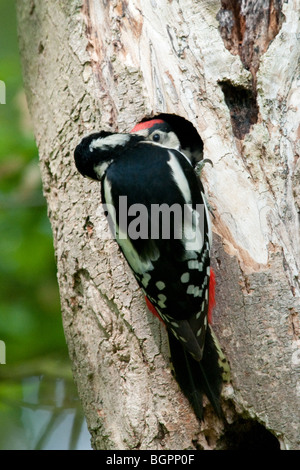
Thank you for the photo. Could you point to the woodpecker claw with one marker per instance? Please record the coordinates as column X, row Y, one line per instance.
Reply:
column 200, row 165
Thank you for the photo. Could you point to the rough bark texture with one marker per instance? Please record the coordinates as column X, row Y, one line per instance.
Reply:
column 231, row 69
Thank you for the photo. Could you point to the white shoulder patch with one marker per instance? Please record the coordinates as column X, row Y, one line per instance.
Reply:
column 112, row 140
column 180, row 178
column 208, row 218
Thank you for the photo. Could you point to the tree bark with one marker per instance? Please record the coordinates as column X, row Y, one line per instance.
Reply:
column 231, row 70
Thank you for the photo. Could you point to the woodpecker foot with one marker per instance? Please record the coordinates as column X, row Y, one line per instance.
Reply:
column 200, row 165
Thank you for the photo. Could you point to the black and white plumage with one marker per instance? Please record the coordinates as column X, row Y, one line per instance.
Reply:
column 168, row 251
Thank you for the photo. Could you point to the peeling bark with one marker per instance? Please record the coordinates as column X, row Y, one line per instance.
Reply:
column 90, row 65
column 248, row 27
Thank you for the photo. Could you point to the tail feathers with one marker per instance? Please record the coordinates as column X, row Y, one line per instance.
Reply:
column 198, row 378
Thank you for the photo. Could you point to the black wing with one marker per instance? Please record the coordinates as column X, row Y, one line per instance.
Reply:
column 174, row 271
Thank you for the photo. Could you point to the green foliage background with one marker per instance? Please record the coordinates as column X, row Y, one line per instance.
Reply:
column 30, row 318
column 30, row 314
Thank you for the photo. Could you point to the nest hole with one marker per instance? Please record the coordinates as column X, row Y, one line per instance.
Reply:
column 242, row 106
column 248, row 435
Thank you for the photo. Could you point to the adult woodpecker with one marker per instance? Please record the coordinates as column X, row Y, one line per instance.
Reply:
column 170, row 256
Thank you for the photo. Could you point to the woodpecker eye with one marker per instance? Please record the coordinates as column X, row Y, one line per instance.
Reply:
column 156, row 137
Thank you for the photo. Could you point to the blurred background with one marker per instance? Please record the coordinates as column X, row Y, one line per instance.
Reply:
column 39, row 406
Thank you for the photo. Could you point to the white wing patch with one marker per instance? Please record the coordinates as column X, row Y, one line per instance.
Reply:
column 193, row 228
column 145, row 280
column 208, row 219
column 192, row 233
column 180, row 178
column 160, row 285
column 185, row 277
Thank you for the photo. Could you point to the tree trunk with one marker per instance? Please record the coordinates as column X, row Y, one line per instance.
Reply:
column 231, row 70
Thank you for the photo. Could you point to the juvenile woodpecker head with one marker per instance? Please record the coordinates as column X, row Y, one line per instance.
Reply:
column 159, row 132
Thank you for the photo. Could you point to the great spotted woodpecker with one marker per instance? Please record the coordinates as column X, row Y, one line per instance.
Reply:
column 167, row 246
